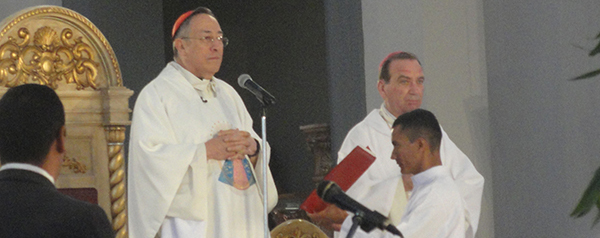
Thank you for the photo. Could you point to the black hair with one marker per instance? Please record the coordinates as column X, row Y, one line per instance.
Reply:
column 31, row 118
column 420, row 123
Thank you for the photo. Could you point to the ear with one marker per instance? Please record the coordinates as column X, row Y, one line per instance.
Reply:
column 380, row 88
column 60, row 141
column 422, row 144
column 179, row 44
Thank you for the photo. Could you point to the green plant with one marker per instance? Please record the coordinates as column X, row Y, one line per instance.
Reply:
column 591, row 196
column 594, row 52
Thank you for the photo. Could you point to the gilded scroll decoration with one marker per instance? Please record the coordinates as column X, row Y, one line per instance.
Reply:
column 49, row 59
column 69, row 15
column 297, row 233
column 116, row 166
column 74, row 165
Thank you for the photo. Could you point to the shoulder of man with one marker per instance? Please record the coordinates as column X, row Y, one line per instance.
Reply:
column 371, row 123
column 365, row 124
column 90, row 220
column 167, row 83
column 358, row 135
column 222, row 83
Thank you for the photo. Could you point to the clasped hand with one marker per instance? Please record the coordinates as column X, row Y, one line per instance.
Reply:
column 231, row 144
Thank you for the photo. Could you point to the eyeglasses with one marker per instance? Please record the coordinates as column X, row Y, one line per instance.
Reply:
column 210, row 40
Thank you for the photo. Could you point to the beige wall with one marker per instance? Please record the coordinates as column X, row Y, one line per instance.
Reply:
column 448, row 38
column 544, row 127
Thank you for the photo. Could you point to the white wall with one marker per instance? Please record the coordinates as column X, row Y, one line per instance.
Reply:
column 448, row 38
column 545, row 128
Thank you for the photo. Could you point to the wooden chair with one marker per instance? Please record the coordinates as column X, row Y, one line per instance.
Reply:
column 62, row 49
column 297, row 228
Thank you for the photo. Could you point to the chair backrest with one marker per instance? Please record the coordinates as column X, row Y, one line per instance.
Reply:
column 55, row 46
column 297, row 228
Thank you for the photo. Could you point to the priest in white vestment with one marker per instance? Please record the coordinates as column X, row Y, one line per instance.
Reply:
column 194, row 159
column 382, row 187
column 436, row 208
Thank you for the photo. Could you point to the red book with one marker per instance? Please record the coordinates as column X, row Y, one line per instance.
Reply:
column 344, row 174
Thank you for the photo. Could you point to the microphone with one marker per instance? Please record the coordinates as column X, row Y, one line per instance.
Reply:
column 332, row 193
column 261, row 94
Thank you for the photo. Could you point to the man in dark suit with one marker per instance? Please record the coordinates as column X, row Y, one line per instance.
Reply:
column 32, row 147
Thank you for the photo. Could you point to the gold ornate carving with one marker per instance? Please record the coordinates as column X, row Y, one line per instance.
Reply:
column 297, row 233
column 48, row 60
column 74, row 165
column 297, row 228
column 64, row 14
column 116, row 165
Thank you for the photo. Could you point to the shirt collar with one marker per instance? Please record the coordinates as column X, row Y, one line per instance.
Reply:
column 386, row 115
column 28, row 167
column 429, row 175
column 205, row 87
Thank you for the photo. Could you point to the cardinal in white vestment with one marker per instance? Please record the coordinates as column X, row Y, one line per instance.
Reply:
column 194, row 158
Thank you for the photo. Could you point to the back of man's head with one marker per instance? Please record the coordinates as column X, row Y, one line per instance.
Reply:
column 420, row 123
column 31, row 117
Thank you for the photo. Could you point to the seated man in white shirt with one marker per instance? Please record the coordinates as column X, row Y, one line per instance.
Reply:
column 435, row 208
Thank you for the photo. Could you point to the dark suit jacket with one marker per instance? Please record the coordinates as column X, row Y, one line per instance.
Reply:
column 30, row 206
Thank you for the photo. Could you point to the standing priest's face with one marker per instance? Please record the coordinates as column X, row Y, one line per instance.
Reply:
column 201, row 51
column 404, row 91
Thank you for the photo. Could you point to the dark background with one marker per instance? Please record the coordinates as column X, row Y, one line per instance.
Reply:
column 308, row 54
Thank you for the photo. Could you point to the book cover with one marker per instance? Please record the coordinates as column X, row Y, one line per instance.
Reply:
column 344, row 174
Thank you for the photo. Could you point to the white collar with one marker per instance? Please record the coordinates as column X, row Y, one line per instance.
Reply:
column 205, row 87
column 28, row 167
column 429, row 175
column 387, row 116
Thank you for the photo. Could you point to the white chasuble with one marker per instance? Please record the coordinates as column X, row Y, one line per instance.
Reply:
column 170, row 178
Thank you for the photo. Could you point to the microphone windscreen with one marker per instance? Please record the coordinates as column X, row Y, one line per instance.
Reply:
column 242, row 80
column 327, row 189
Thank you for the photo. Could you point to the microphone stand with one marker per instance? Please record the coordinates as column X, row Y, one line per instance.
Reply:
column 263, row 125
column 265, row 99
column 356, row 221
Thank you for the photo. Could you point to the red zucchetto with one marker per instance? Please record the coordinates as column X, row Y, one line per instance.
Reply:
column 180, row 20
column 387, row 57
